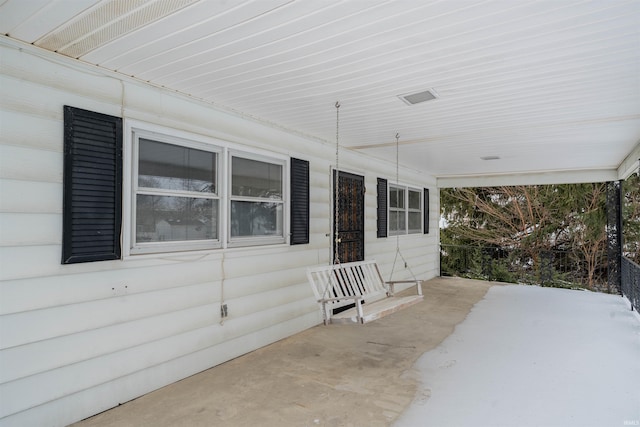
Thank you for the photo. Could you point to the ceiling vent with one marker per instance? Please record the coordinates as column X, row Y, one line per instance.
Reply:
column 417, row 98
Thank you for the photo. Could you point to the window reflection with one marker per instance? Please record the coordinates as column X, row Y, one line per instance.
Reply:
column 167, row 218
column 256, row 219
column 253, row 178
column 256, row 198
column 174, row 167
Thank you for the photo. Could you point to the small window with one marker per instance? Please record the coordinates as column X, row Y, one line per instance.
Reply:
column 256, row 201
column 397, row 211
column 414, row 212
column 405, row 210
column 176, row 196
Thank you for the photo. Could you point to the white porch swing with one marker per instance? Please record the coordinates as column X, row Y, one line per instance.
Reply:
column 359, row 284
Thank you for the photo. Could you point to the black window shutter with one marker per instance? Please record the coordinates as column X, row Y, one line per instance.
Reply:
column 299, row 202
column 426, row 210
column 92, row 186
column 382, row 207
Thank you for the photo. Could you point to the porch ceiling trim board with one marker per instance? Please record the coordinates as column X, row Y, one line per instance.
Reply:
column 551, row 177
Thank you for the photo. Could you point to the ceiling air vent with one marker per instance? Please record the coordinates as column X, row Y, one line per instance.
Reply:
column 417, row 98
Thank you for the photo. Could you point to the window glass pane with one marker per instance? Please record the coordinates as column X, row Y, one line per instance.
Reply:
column 396, row 197
column 393, row 221
column 173, row 167
column 414, row 199
column 415, row 222
column 168, row 218
column 256, row 219
column 252, row 178
column 397, row 221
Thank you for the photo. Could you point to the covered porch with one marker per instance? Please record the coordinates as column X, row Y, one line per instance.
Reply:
column 433, row 95
column 387, row 372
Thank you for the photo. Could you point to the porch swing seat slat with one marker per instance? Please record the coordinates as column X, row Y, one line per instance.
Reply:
column 359, row 283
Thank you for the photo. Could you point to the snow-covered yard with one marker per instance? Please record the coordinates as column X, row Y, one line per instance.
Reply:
column 531, row 356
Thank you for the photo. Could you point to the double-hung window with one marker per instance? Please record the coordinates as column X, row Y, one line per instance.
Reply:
column 193, row 195
column 405, row 210
column 256, row 199
column 176, row 200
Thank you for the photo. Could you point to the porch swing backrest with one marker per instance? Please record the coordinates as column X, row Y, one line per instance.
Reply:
column 344, row 281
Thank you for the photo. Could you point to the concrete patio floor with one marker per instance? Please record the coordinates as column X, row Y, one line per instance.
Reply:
column 336, row 375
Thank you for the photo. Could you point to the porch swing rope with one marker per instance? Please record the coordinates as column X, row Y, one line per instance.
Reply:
column 395, row 259
column 336, row 201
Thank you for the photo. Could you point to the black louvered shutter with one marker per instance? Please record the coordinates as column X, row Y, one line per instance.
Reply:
column 299, row 202
column 92, row 199
column 382, row 207
column 426, row 211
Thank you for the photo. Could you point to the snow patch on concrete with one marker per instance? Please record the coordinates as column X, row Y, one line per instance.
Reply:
column 531, row 356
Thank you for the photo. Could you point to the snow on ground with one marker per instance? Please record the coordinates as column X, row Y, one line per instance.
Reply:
column 531, row 356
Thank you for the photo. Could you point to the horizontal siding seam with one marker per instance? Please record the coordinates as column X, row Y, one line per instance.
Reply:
column 35, row 181
column 150, row 291
column 32, row 148
column 107, row 298
column 104, row 265
column 134, row 319
column 97, row 356
column 196, row 350
column 273, row 305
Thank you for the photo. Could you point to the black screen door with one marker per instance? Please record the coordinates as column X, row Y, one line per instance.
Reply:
column 349, row 217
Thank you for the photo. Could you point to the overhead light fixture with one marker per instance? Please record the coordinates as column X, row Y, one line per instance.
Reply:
column 490, row 158
column 418, row 97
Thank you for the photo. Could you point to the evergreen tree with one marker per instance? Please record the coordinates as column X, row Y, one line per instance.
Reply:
column 566, row 220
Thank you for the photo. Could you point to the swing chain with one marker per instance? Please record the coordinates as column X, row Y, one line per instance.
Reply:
column 398, row 252
column 397, row 159
column 336, row 256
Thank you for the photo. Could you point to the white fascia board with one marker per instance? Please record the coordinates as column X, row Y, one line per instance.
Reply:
column 630, row 164
column 537, row 178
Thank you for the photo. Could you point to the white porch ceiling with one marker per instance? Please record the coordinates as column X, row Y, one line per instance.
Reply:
column 544, row 85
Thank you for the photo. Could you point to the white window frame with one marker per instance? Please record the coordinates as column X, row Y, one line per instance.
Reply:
column 171, row 246
column 404, row 210
column 134, row 130
column 283, row 201
column 414, row 210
